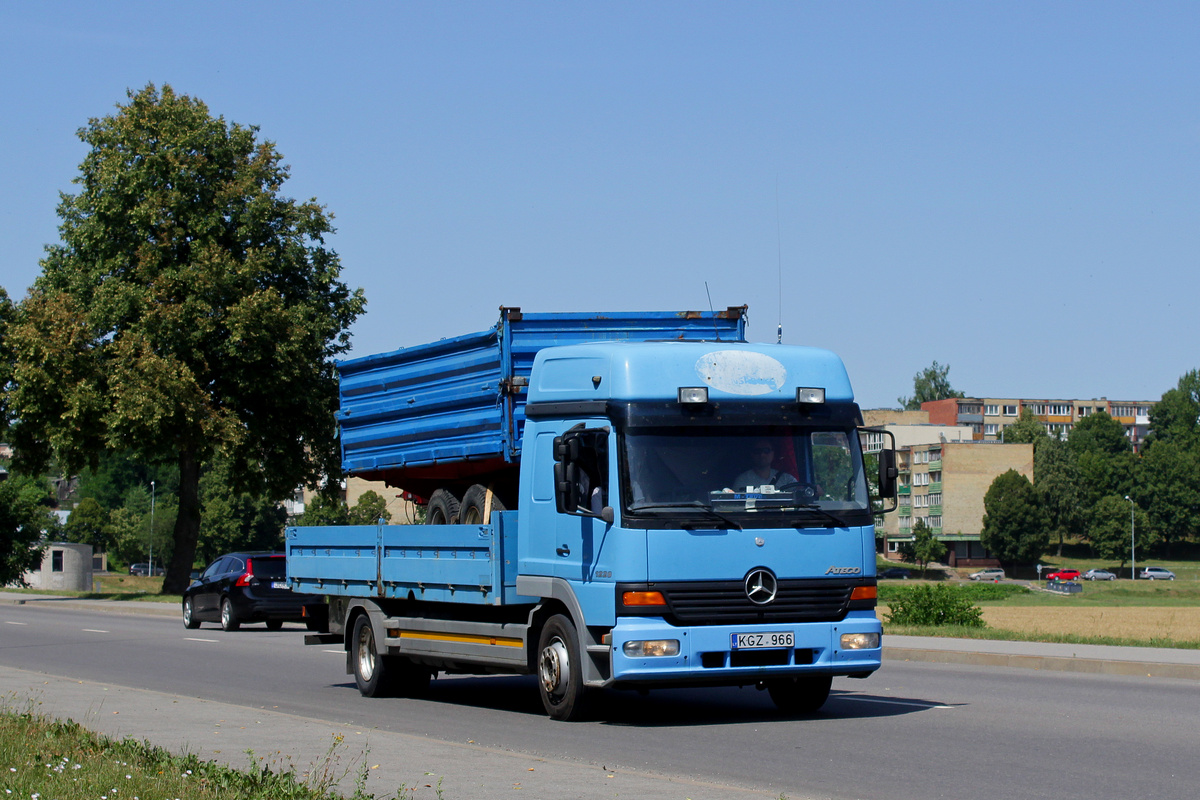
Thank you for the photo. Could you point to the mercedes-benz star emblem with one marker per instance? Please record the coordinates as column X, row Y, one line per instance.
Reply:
column 761, row 586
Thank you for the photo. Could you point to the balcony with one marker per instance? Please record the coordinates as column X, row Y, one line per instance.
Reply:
column 904, row 490
column 935, row 510
column 935, row 487
column 935, row 466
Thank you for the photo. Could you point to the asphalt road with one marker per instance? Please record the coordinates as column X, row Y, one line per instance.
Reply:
column 913, row 730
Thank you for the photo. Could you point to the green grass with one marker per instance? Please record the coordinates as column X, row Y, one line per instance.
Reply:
column 48, row 759
column 115, row 587
column 961, row 632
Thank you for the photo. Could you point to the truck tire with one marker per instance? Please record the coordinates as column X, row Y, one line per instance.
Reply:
column 560, row 675
column 189, row 615
column 442, row 508
column 474, row 509
column 383, row 676
column 229, row 620
column 800, row 695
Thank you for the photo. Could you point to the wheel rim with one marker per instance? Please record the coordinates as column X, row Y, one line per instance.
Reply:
column 187, row 611
column 226, row 613
column 554, row 667
column 471, row 516
column 366, row 653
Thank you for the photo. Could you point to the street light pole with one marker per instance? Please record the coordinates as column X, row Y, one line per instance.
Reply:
column 1132, row 550
column 152, row 529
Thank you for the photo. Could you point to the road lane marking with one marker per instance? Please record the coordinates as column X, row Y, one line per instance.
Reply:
column 93, row 630
column 6, row 622
column 194, row 639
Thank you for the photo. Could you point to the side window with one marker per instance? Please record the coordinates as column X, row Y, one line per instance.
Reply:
column 214, row 568
column 581, row 471
column 233, row 565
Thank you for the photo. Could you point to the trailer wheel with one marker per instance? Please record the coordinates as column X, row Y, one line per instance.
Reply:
column 560, row 675
column 474, row 509
column 189, row 615
column 442, row 508
column 229, row 620
column 800, row 695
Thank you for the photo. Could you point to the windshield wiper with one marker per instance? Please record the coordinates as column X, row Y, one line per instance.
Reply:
column 696, row 504
column 831, row 517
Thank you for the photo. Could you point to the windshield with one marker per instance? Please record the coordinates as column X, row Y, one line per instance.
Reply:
column 752, row 476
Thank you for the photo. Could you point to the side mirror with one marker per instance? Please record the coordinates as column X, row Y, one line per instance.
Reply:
column 887, row 473
column 581, row 472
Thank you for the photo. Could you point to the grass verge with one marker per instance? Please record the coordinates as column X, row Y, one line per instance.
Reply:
column 46, row 759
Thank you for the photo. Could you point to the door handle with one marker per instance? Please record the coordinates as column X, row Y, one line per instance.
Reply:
column 563, row 551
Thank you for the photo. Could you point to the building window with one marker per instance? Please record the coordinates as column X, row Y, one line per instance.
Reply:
column 934, row 521
column 1010, row 411
column 935, row 499
column 1060, row 410
column 893, row 546
column 56, row 560
column 990, row 429
column 992, row 411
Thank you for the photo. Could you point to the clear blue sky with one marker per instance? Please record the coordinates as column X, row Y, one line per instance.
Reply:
column 1009, row 188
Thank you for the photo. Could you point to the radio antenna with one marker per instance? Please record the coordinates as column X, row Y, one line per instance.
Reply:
column 716, row 330
column 779, row 245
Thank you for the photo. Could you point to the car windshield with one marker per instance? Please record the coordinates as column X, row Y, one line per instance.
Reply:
column 751, row 476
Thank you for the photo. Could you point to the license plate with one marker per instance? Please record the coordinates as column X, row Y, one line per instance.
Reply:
column 761, row 641
column 279, row 584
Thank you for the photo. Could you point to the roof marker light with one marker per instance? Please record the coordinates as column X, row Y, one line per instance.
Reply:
column 693, row 395
column 808, row 396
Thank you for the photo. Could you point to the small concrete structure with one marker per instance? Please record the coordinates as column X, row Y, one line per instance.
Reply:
column 66, row 566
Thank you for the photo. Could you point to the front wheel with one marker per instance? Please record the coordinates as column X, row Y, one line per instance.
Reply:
column 189, row 615
column 800, row 695
column 560, row 675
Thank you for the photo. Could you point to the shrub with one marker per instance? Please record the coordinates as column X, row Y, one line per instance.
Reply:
column 934, row 604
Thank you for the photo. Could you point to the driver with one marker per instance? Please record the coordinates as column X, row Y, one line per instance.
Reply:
column 762, row 455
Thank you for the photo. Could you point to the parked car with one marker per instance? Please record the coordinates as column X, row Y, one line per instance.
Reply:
column 142, row 570
column 1099, row 575
column 249, row 587
column 988, row 574
column 1157, row 574
column 1063, row 575
column 896, row 572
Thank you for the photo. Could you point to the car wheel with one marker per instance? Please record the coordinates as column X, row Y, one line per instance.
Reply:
column 274, row 624
column 560, row 679
column 229, row 620
column 189, row 615
column 800, row 695
column 382, row 676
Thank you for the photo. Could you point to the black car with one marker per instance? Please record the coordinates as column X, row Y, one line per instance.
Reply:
column 249, row 587
column 896, row 572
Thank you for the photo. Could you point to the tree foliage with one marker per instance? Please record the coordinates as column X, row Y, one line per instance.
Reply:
column 1176, row 417
column 1168, row 487
column 24, row 515
column 1110, row 534
column 88, row 524
column 931, row 383
column 1015, row 526
column 934, row 604
column 327, row 509
column 1056, row 478
column 1026, row 430
column 190, row 309
column 7, row 311
column 924, row 549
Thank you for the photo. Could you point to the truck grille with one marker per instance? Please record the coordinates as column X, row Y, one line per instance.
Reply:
column 725, row 602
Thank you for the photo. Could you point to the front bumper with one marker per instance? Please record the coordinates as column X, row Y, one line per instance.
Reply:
column 706, row 656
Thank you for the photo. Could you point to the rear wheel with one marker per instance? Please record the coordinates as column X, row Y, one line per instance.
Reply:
column 379, row 675
column 477, row 508
column 560, row 675
column 442, row 508
column 800, row 695
column 229, row 620
column 189, row 614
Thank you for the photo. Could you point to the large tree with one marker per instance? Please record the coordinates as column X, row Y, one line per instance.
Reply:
column 1115, row 523
column 924, row 549
column 1026, row 430
column 1176, row 417
column 24, row 516
column 1056, row 478
column 931, row 383
column 1168, row 487
column 189, row 309
column 1015, row 526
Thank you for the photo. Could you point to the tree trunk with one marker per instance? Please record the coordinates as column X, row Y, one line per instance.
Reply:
column 187, row 525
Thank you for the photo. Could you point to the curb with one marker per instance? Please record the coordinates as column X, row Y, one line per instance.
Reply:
column 1090, row 666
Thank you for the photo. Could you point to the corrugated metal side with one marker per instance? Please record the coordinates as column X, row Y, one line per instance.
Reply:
column 463, row 399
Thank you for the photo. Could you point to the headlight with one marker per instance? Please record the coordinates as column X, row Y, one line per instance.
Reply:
column 652, row 647
column 860, row 641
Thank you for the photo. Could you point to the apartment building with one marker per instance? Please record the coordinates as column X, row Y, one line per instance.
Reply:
column 944, row 483
column 989, row 416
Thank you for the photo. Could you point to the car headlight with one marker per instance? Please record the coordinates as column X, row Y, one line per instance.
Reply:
column 651, row 647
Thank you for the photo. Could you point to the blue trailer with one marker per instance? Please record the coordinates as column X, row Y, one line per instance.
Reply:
column 616, row 501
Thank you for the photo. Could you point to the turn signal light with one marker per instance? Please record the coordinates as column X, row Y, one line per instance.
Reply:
column 643, row 599
column 864, row 593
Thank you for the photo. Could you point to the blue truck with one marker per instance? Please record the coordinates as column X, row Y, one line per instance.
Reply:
column 628, row 500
